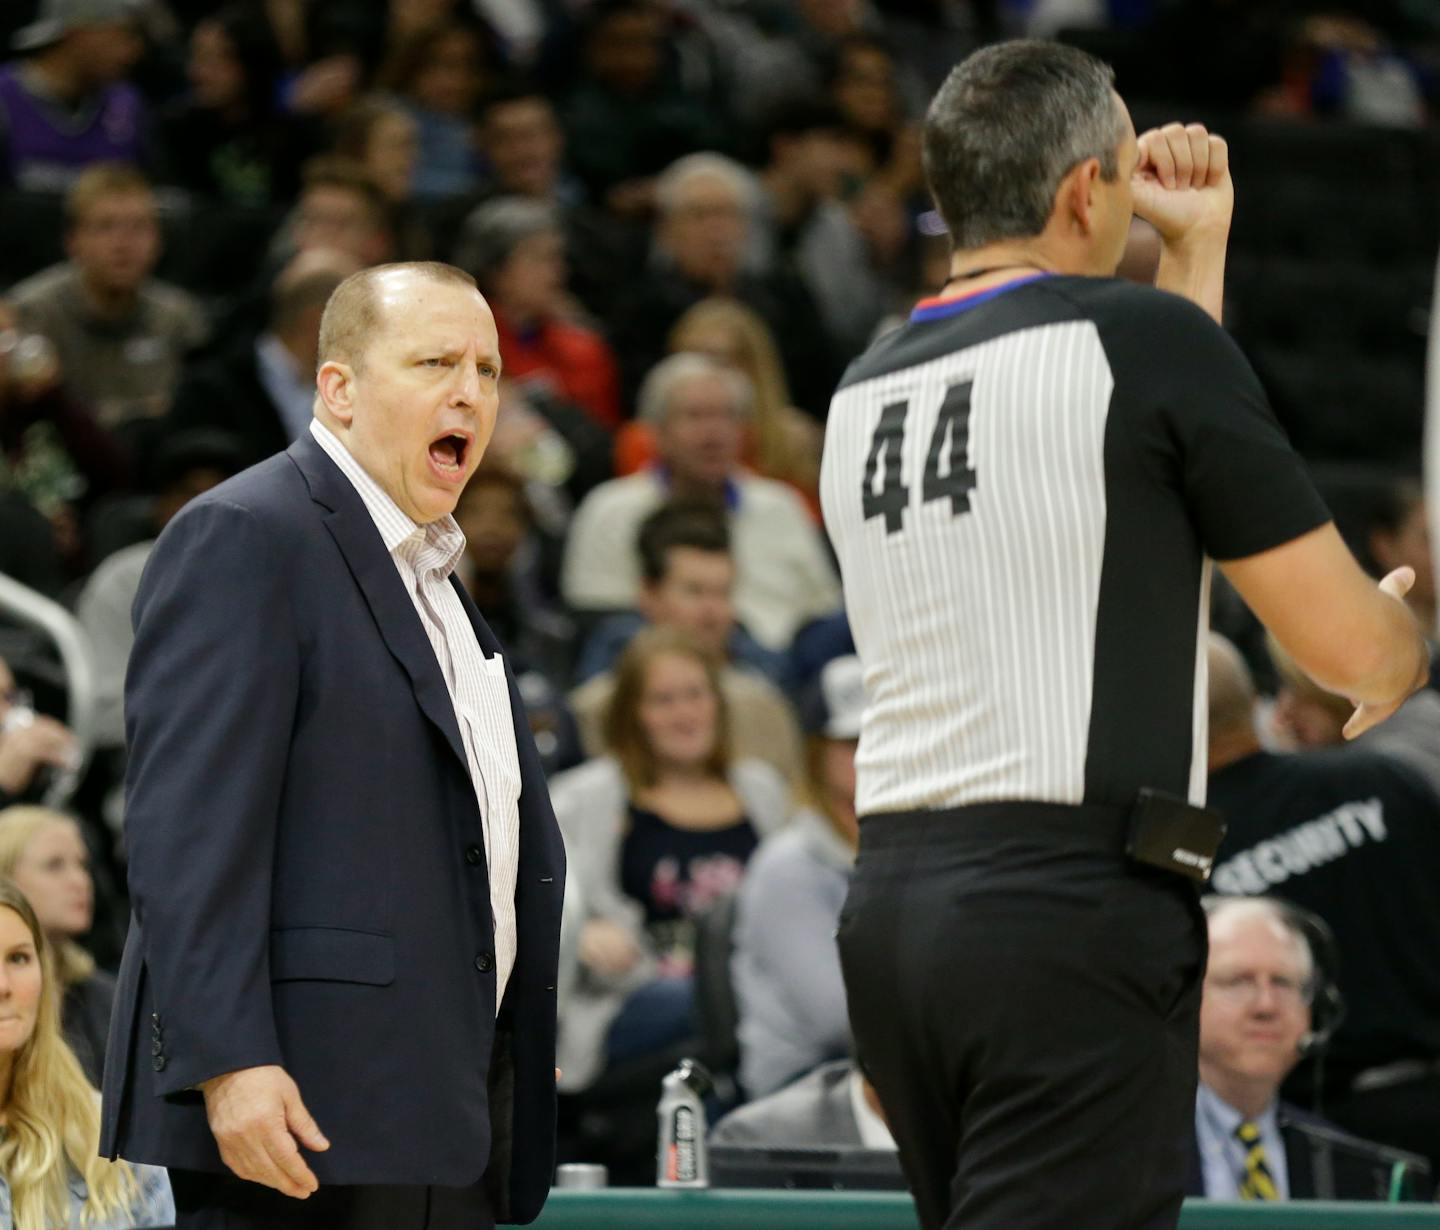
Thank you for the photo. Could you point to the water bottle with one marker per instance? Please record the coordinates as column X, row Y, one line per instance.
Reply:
column 681, row 1159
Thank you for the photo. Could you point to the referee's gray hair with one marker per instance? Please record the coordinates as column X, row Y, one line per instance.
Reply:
column 1006, row 127
column 1217, row 904
column 670, row 373
column 674, row 179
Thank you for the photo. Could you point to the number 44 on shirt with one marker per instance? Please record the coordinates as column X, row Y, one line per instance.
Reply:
column 957, row 480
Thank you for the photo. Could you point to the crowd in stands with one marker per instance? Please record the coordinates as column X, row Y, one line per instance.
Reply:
column 687, row 217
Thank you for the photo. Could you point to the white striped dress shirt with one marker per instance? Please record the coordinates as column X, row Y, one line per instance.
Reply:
column 425, row 556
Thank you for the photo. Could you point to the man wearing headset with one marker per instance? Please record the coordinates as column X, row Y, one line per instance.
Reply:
column 1267, row 1001
column 1353, row 835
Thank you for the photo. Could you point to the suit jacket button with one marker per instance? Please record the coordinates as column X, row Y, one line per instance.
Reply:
column 474, row 855
column 158, row 1063
column 484, row 962
column 157, row 1047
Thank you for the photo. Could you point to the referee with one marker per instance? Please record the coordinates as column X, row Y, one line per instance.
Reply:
column 1025, row 486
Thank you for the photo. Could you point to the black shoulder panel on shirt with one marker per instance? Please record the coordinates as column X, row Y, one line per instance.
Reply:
column 1106, row 301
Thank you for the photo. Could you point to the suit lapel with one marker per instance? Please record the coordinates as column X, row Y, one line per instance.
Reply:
column 350, row 524
column 1299, row 1162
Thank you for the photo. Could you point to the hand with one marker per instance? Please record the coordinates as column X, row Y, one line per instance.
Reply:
column 256, row 1116
column 326, row 87
column 25, row 750
column 880, row 217
column 606, row 947
column 634, row 198
column 1397, row 584
column 1182, row 184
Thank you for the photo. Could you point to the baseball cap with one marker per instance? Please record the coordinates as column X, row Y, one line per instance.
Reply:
column 58, row 17
column 839, row 701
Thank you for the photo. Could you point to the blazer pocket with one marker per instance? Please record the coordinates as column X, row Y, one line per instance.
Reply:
column 331, row 954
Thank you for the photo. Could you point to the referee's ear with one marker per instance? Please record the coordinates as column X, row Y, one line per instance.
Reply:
column 1076, row 201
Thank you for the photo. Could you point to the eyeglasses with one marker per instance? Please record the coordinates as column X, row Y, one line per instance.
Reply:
column 1247, row 987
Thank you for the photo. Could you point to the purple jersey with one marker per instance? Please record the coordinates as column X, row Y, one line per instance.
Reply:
column 46, row 148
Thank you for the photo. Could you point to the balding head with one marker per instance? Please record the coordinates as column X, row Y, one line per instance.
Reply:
column 409, row 381
column 1232, row 705
column 301, row 292
column 1232, row 690
column 1229, row 916
column 355, row 310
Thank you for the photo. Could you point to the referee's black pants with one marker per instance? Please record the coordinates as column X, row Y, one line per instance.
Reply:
column 1026, row 1002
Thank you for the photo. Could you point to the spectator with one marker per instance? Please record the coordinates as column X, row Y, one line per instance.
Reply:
column 786, row 966
column 383, row 138
column 439, row 72
column 767, row 70
column 44, row 853
column 51, row 1173
column 342, row 209
column 697, row 409
column 688, row 575
column 67, row 103
column 498, row 570
column 1353, row 836
column 705, row 204
column 28, row 550
column 229, row 140
column 801, row 225
column 1400, row 535
column 833, row 1107
column 32, row 745
column 524, row 146
column 120, row 333
column 656, row 832
column 54, row 456
column 784, row 444
column 515, row 247
column 1256, row 1021
column 863, row 87
column 262, row 393
column 1307, row 716
column 186, row 464
column 628, row 112
column 885, row 180
column 1342, row 65
column 781, row 443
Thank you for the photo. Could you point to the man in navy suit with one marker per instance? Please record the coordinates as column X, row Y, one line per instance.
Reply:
column 1255, row 1023
column 337, row 1003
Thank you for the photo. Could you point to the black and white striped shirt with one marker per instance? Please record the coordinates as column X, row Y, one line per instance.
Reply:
column 1025, row 487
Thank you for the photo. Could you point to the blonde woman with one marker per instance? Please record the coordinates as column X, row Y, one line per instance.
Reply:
column 51, row 1177
column 44, row 853
column 784, row 443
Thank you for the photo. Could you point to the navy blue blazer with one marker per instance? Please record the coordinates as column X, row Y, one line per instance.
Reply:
column 307, row 860
column 1325, row 1163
